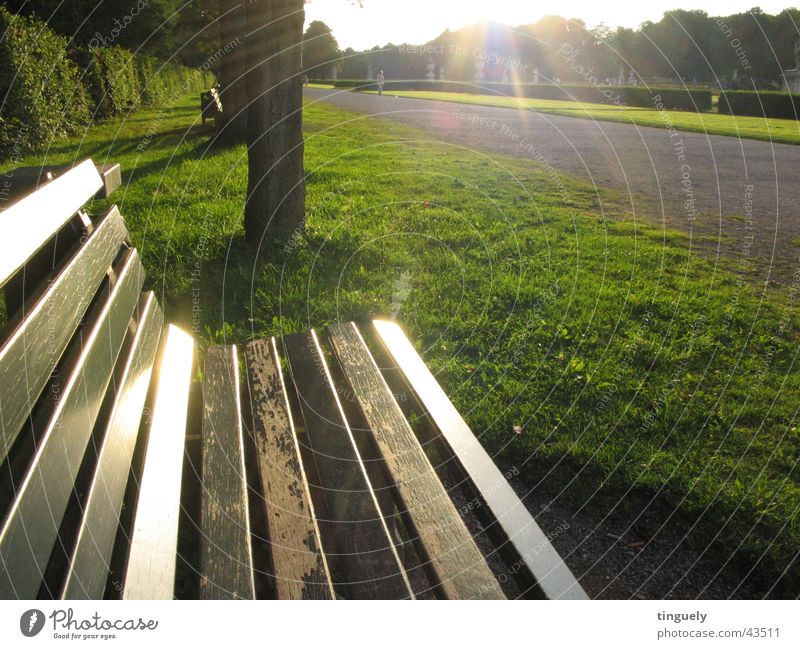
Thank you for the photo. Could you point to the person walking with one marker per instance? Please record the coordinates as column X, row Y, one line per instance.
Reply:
column 381, row 80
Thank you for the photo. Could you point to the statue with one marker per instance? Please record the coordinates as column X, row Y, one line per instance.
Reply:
column 478, row 78
column 430, row 75
column 441, row 73
column 791, row 78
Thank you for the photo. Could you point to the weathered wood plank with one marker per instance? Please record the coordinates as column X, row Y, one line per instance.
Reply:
column 299, row 563
column 89, row 564
column 364, row 551
column 535, row 551
column 453, row 557
column 23, row 180
column 226, row 556
column 29, row 355
column 27, row 224
column 31, row 525
column 150, row 572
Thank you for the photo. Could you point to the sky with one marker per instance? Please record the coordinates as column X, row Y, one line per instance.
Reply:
column 417, row 21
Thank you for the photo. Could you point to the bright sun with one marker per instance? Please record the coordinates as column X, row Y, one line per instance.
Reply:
column 417, row 21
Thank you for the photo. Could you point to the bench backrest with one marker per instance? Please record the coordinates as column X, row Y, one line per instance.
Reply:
column 79, row 346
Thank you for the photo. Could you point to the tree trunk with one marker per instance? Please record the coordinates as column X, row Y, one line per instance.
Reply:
column 233, row 93
column 276, row 189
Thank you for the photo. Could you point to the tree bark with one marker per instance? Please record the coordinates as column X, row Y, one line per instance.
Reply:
column 233, row 93
column 276, row 189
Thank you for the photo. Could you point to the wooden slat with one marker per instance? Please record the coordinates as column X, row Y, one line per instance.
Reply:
column 226, row 556
column 30, row 222
column 31, row 526
column 454, row 558
column 89, row 564
column 150, row 572
column 23, row 180
column 29, row 355
column 553, row 577
column 364, row 551
column 299, row 563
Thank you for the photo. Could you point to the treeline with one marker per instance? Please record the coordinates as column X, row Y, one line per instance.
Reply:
column 185, row 29
column 49, row 86
column 737, row 51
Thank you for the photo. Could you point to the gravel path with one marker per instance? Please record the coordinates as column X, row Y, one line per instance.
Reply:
column 742, row 197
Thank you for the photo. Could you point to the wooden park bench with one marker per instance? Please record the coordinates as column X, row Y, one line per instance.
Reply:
column 322, row 465
column 210, row 105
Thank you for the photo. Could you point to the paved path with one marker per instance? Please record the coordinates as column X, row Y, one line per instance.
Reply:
column 735, row 188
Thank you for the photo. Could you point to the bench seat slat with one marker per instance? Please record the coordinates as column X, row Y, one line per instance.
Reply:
column 364, row 553
column 26, row 225
column 299, row 564
column 553, row 577
column 454, row 558
column 226, row 557
column 89, row 565
column 152, row 558
column 31, row 526
column 27, row 358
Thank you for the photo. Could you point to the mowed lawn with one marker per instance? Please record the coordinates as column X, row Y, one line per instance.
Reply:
column 786, row 131
column 631, row 363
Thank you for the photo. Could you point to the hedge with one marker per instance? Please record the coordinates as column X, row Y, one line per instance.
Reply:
column 92, row 76
column 110, row 78
column 153, row 86
column 159, row 82
column 671, row 98
column 759, row 104
column 48, row 91
column 41, row 96
column 121, row 79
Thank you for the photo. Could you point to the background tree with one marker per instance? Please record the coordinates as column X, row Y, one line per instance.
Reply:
column 320, row 50
column 276, row 189
column 197, row 32
column 276, row 194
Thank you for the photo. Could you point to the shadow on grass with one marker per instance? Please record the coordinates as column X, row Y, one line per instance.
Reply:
column 125, row 150
column 191, row 144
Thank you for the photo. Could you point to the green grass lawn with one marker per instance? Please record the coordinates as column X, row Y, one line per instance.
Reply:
column 631, row 362
column 755, row 128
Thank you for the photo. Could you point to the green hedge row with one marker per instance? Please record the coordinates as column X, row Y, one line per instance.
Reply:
column 41, row 96
column 48, row 91
column 671, row 98
column 111, row 80
column 759, row 104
